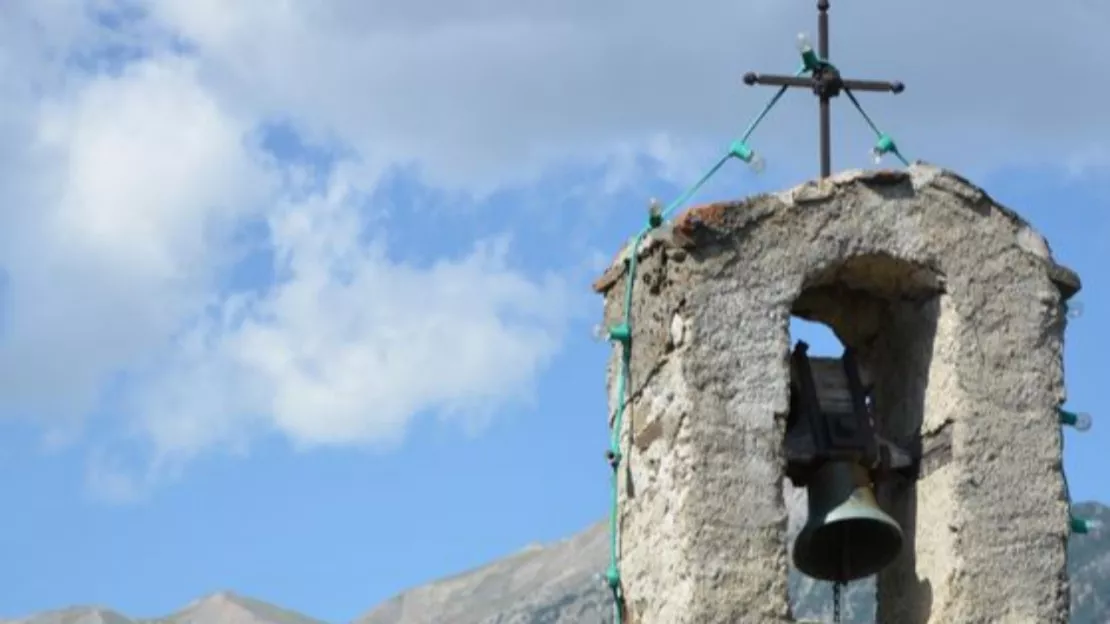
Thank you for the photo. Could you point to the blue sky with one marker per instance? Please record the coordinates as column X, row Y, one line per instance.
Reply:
column 297, row 304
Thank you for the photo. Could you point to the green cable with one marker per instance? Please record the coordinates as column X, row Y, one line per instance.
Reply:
column 622, row 333
column 866, row 117
column 747, row 134
column 685, row 197
column 766, row 109
column 885, row 143
column 1077, row 524
column 883, row 138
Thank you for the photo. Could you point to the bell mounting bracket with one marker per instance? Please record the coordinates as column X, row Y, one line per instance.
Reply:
column 831, row 419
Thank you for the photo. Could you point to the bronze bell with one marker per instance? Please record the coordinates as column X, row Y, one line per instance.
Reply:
column 846, row 536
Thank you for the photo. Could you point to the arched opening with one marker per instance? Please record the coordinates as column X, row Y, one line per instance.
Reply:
column 811, row 599
column 886, row 311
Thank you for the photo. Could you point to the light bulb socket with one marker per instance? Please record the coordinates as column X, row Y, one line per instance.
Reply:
column 1083, row 526
column 740, row 149
column 620, row 333
column 810, row 60
column 613, row 578
column 1079, row 420
column 884, row 145
column 655, row 214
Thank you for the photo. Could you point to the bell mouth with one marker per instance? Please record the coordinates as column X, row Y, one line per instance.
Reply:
column 846, row 549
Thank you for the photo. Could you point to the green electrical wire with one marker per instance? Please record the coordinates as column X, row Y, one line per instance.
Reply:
column 622, row 333
column 766, row 109
column 747, row 134
column 878, row 133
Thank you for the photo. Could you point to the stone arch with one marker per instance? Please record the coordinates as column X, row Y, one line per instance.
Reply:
column 965, row 337
column 888, row 311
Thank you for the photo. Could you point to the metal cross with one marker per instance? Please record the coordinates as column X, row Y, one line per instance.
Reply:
column 823, row 79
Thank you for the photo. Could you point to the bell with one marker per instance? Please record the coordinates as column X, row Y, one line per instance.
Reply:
column 846, row 536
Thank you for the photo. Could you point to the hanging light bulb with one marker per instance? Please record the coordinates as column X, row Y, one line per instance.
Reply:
column 757, row 163
column 600, row 333
column 1083, row 422
column 1084, row 526
column 809, row 58
column 803, row 43
column 884, row 145
column 1080, row 421
column 655, row 213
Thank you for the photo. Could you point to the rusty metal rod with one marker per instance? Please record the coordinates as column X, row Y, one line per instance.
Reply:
column 778, row 80
column 873, row 85
column 823, row 96
column 826, row 83
column 782, row 80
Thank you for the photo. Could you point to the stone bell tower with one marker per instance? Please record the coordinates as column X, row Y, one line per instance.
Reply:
column 954, row 310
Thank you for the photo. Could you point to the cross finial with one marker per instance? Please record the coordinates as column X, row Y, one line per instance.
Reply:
column 825, row 81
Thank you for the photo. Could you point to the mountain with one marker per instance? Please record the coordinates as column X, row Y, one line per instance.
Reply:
column 560, row 584
column 221, row 608
column 509, row 591
column 548, row 585
column 1089, row 565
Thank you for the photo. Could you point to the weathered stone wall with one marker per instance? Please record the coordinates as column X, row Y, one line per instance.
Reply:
column 955, row 306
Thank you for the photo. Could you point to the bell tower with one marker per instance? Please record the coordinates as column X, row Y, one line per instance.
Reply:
column 931, row 451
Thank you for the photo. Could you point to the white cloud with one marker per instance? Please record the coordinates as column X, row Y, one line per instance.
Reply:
column 120, row 207
column 351, row 344
column 465, row 89
column 134, row 181
column 120, row 190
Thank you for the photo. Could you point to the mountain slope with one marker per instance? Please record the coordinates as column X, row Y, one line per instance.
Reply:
column 548, row 585
column 221, row 608
column 229, row 608
column 496, row 595
column 560, row 584
column 75, row 615
column 1089, row 565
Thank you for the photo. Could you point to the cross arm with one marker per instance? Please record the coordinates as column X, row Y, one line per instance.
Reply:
column 776, row 80
column 872, row 85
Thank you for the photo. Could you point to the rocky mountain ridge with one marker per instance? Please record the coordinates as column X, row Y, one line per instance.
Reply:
column 559, row 584
column 219, row 608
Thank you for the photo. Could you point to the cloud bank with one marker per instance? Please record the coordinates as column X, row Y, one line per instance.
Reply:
column 134, row 170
